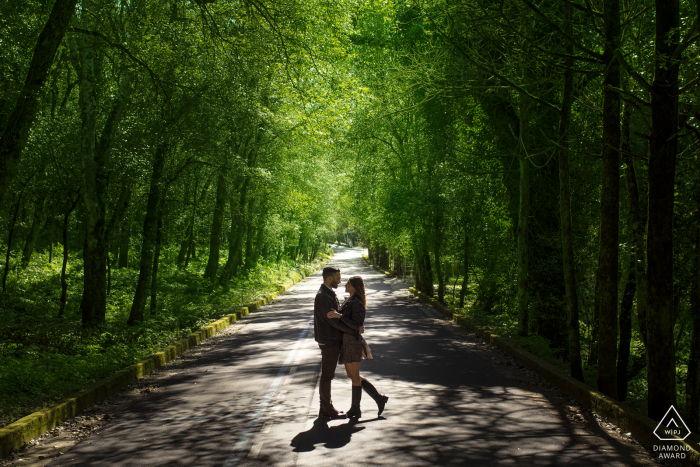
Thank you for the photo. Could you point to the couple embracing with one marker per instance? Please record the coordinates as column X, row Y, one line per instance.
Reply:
column 338, row 330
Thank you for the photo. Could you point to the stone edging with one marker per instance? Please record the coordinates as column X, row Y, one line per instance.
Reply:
column 377, row 268
column 19, row 433
column 641, row 426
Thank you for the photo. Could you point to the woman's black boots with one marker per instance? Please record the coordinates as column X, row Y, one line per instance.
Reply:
column 354, row 411
column 372, row 392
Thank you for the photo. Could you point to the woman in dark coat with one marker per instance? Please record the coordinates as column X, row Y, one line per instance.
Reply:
column 354, row 347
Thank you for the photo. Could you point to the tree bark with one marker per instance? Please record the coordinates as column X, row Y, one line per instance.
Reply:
column 465, row 280
column 567, row 237
column 190, row 193
column 37, row 220
column 150, row 226
column 609, row 205
column 95, row 165
column 156, row 261
column 64, row 282
column 692, row 383
column 437, row 240
column 249, row 245
column 663, row 147
column 638, row 224
column 235, row 239
column 9, row 243
column 16, row 132
column 216, row 228
column 93, row 303
column 623, row 351
column 523, row 214
column 124, row 246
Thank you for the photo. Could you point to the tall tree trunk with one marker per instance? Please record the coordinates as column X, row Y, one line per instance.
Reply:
column 51, row 233
column 190, row 193
column 437, row 240
column 37, row 220
column 16, row 132
column 523, row 214
column 9, row 243
column 609, row 205
column 94, row 298
column 638, row 224
column 235, row 239
column 663, row 147
column 692, row 383
column 424, row 271
column 465, row 280
column 623, row 351
column 124, row 246
column 249, row 245
column 216, row 228
column 150, row 227
column 156, row 261
column 185, row 245
column 64, row 282
column 95, row 165
column 118, row 213
column 567, row 237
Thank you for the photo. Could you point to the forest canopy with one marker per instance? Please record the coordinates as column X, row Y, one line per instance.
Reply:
column 532, row 164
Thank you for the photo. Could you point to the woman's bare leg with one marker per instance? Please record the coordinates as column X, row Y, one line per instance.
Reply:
column 353, row 371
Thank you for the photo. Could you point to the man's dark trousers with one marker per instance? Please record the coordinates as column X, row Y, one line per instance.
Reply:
column 329, row 360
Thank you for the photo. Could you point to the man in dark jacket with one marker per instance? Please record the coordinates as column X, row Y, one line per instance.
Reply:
column 328, row 333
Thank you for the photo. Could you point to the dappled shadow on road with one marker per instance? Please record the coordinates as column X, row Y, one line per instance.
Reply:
column 331, row 437
column 448, row 405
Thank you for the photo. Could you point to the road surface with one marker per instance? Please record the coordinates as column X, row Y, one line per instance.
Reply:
column 253, row 399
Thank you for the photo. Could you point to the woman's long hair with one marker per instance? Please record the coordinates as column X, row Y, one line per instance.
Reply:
column 359, row 285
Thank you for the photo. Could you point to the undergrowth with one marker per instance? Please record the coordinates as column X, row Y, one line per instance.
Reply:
column 44, row 358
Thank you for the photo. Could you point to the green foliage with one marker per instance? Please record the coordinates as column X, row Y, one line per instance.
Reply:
column 44, row 358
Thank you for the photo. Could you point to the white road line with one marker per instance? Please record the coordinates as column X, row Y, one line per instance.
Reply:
column 255, row 450
column 252, row 425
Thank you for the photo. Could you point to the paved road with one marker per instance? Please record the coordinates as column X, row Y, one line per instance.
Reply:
column 253, row 399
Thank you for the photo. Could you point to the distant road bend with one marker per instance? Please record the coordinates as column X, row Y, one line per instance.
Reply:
column 253, row 399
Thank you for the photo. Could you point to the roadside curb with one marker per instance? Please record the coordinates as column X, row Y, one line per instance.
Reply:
column 19, row 433
column 627, row 418
column 377, row 268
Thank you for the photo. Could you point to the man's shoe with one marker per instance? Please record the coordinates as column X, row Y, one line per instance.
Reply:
column 338, row 415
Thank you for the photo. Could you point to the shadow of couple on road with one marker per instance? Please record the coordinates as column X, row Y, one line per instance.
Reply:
column 332, row 437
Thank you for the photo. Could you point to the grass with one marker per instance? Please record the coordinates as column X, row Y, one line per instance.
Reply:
column 44, row 358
